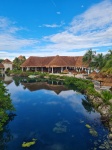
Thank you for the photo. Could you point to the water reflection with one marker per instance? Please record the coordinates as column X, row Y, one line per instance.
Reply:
column 38, row 84
column 7, row 79
column 6, row 135
column 88, row 106
column 54, row 115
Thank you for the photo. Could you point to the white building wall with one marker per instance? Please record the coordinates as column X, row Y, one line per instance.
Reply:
column 7, row 66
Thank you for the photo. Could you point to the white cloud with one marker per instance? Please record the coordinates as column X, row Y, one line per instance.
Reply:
column 7, row 26
column 10, row 42
column 8, row 36
column 53, row 25
column 92, row 29
column 98, row 17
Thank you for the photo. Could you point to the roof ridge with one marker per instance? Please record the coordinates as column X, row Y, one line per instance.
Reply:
column 52, row 61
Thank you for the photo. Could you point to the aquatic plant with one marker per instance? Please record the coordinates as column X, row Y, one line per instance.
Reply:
column 92, row 131
column 88, row 126
column 60, row 127
column 28, row 144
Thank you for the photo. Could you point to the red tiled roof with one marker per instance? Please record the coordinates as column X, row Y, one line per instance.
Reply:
column 107, row 81
column 7, row 61
column 93, row 74
column 33, row 61
column 57, row 62
column 1, row 65
column 79, row 62
column 54, row 61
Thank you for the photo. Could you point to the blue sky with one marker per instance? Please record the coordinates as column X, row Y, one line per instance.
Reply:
column 54, row 27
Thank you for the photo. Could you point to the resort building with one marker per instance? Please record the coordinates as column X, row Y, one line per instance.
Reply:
column 6, row 64
column 1, row 68
column 54, row 64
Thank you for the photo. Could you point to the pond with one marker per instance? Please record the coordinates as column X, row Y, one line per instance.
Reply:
column 56, row 117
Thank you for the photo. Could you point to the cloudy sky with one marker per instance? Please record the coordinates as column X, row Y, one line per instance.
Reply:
column 54, row 27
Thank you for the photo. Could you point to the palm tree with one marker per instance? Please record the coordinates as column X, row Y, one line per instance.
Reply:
column 88, row 57
column 99, row 61
column 110, row 51
column 108, row 55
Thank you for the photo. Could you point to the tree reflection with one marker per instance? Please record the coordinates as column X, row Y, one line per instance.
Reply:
column 87, row 105
column 5, row 134
column 16, row 81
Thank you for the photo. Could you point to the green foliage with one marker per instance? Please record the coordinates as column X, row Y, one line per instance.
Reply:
column 108, row 66
column 5, row 105
column 91, row 91
column 79, row 84
column 53, row 77
column 1, row 60
column 99, row 61
column 88, row 57
column 17, row 63
column 7, row 70
column 15, row 72
column 106, row 95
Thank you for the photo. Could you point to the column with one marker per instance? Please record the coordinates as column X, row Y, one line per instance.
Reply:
column 88, row 71
column 48, row 70
column 52, row 69
column 61, row 69
column 42, row 69
column 27, row 68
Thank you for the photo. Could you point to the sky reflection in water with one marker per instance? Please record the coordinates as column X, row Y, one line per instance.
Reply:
column 57, row 121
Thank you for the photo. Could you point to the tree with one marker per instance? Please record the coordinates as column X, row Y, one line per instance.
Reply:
column 108, row 55
column 88, row 57
column 17, row 62
column 98, row 61
column 1, row 60
column 110, row 51
column 5, row 105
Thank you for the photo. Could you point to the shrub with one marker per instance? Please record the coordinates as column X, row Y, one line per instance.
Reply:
column 5, row 105
column 91, row 91
column 106, row 95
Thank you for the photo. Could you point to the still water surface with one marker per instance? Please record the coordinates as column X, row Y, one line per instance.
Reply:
column 56, row 116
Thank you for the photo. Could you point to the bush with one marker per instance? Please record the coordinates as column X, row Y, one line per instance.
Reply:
column 106, row 95
column 91, row 91
column 5, row 105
